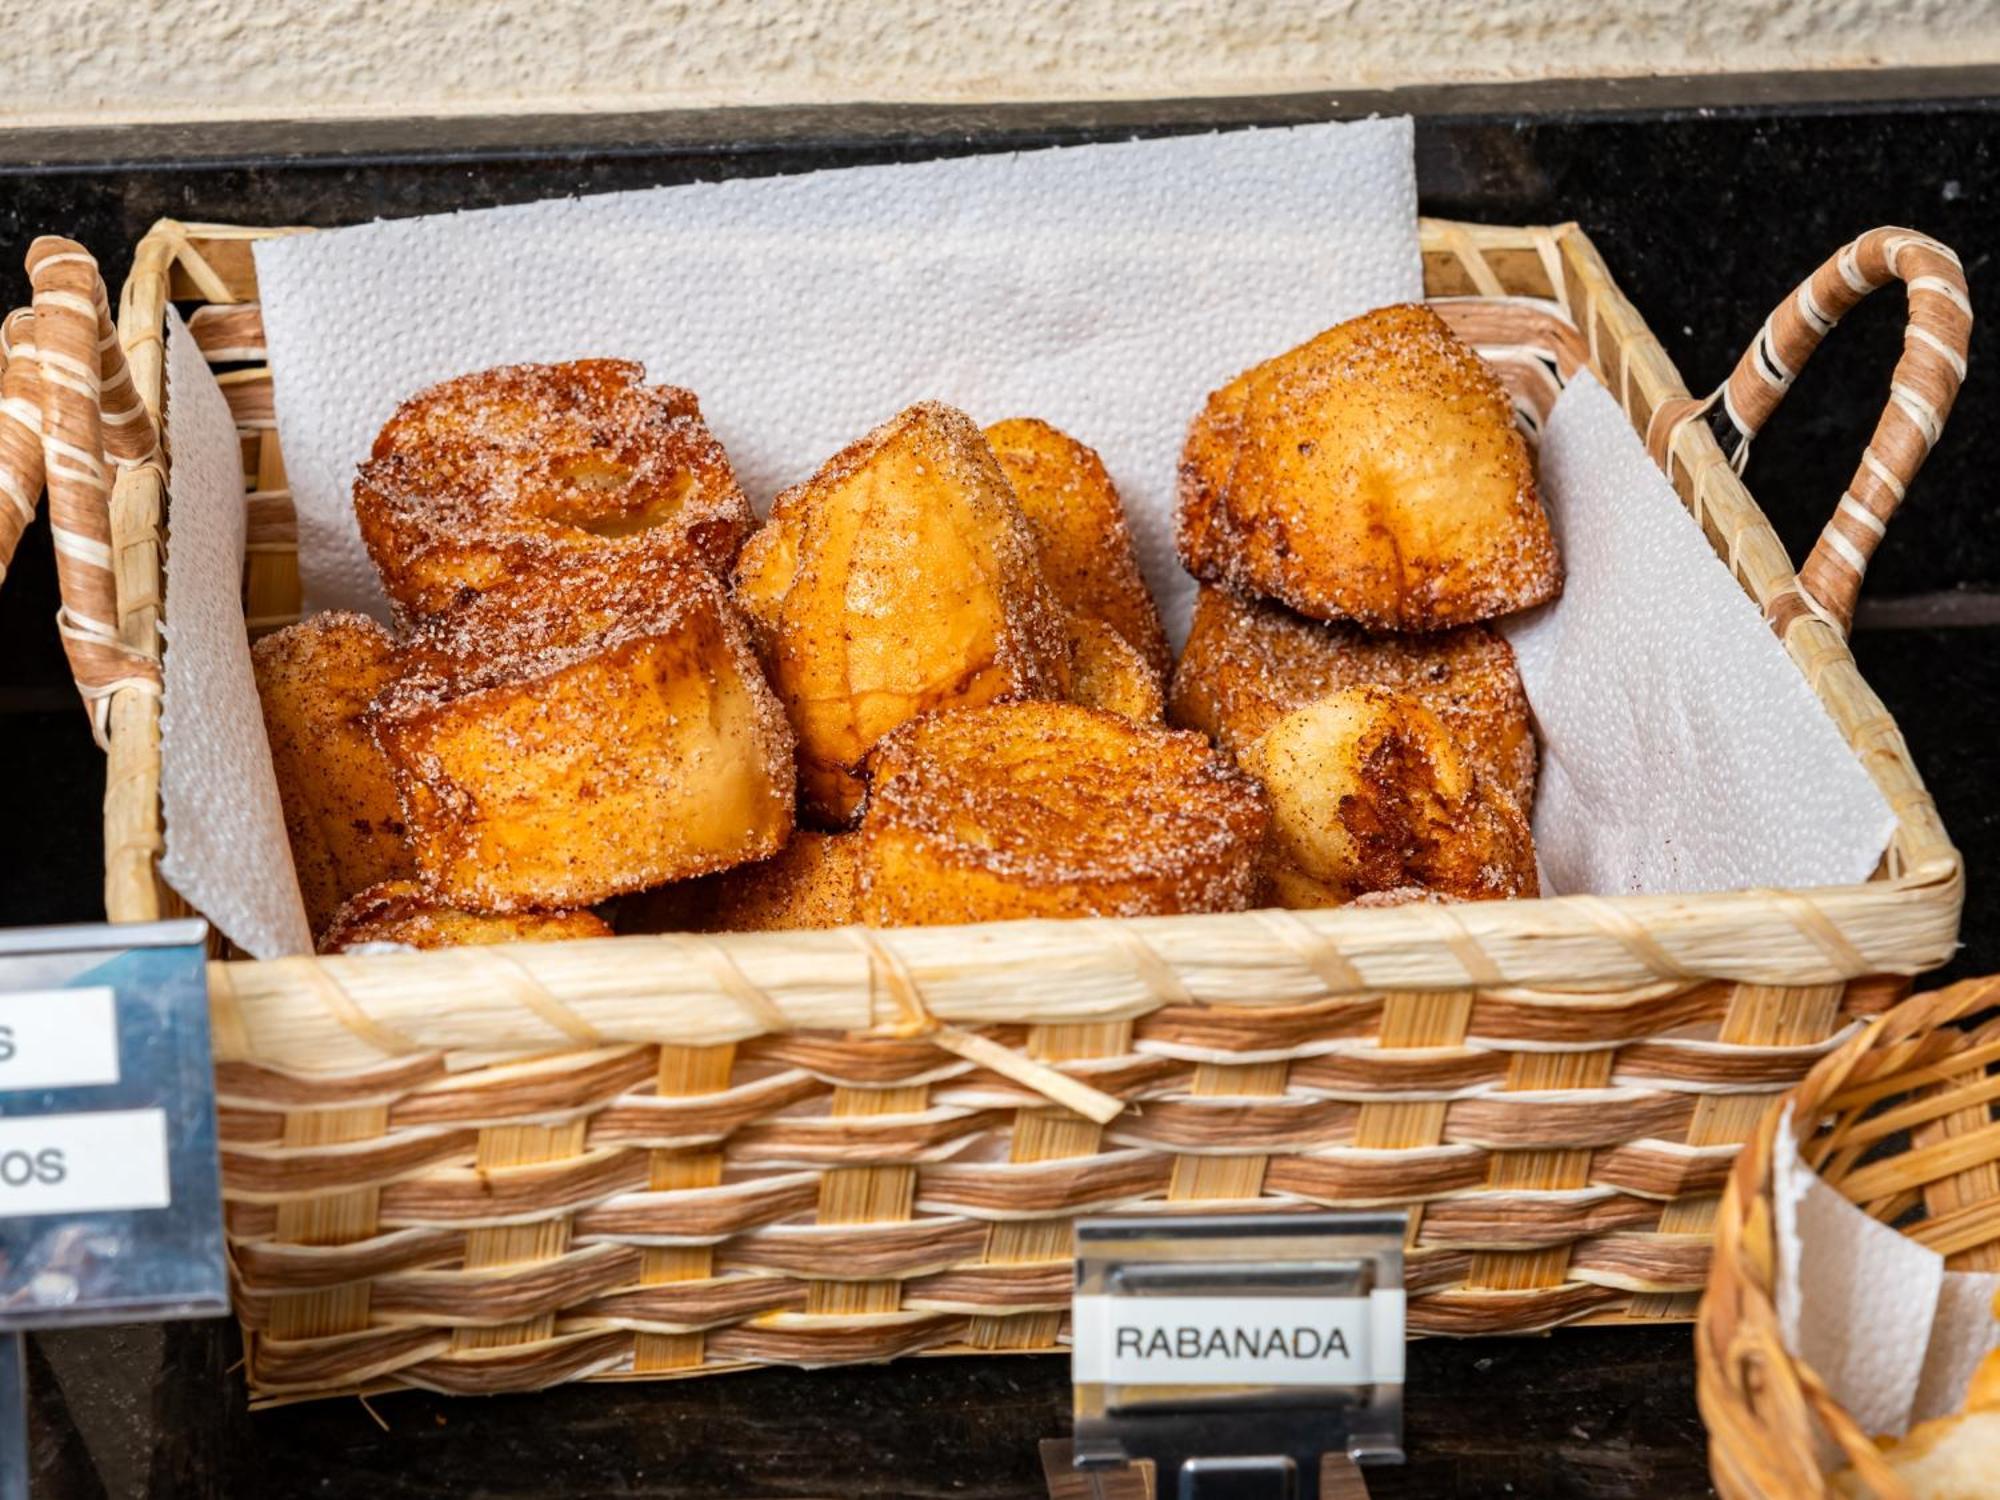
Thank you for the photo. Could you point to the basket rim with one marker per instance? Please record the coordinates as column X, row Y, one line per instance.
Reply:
column 1902, row 922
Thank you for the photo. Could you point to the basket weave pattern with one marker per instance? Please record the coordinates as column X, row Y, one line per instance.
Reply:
column 485, row 1170
column 1901, row 1120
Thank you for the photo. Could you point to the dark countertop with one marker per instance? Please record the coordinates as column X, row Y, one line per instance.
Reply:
column 1707, row 214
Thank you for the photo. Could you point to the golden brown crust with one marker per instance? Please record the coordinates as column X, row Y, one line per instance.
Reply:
column 1247, row 664
column 1080, row 530
column 1372, row 474
column 1370, row 793
column 569, row 737
column 814, row 881
column 400, row 911
column 1107, row 672
column 482, row 478
column 315, row 680
column 1053, row 810
column 899, row 579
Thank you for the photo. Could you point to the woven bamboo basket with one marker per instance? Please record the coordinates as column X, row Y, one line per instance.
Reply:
column 489, row 1170
column 1901, row 1121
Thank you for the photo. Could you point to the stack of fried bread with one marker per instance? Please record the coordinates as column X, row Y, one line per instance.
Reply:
column 932, row 686
column 1357, row 509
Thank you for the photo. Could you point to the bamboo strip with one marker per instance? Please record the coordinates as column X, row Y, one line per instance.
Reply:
column 327, row 1219
column 1238, row 1179
column 1978, row 1185
column 683, row 1072
column 653, row 990
column 1046, row 1135
column 518, row 1244
column 270, row 574
column 866, row 1195
column 1429, row 1019
column 1758, row 1015
column 133, row 838
column 1519, row 1270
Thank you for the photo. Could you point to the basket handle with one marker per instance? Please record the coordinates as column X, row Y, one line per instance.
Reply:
column 92, row 424
column 20, row 431
column 1921, row 392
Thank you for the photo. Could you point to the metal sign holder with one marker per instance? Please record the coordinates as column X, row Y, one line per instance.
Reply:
column 110, row 1194
column 1237, row 1357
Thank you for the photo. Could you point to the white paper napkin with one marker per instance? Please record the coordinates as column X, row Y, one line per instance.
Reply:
column 226, row 849
column 1106, row 289
column 1963, row 1332
column 1682, row 750
column 1894, row 1335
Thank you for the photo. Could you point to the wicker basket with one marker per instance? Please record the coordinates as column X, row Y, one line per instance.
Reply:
column 486, row 1170
column 1900, row 1120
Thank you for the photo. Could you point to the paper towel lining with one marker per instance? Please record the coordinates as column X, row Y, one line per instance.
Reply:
column 226, row 849
column 1893, row 1334
column 1682, row 749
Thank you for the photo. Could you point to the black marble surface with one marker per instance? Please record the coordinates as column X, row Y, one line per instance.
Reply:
column 1706, row 214
column 1593, row 1414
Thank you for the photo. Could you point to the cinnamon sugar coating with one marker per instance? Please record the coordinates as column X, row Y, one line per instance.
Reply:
column 1081, row 533
column 401, row 911
column 899, row 579
column 1370, row 793
column 1053, row 810
column 1107, row 672
column 567, row 737
column 522, row 468
column 813, row 882
column 1373, row 474
column 1247, row 663
column 315, row 681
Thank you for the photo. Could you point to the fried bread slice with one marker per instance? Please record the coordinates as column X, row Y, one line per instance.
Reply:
column 1370, row 793
column 568, row 737
column 315, row 681
column 1247, row 664
column 1372, row 474
column 1053, row 810
column 813, row 882
column 401, row 911
column 491, row 475
column 899, row 578
column 1107, row 672
column 1081, row 534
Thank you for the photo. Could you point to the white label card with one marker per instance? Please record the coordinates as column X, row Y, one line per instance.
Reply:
column 58, row 1039
column 95, row 1163
column 1132, row 1340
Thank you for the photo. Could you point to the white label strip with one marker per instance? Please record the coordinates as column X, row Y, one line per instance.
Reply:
column 1239, row 1340
column 58, row 1039
column 57, row 1164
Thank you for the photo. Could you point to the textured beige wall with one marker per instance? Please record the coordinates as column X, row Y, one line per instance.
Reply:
column 82, row 61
